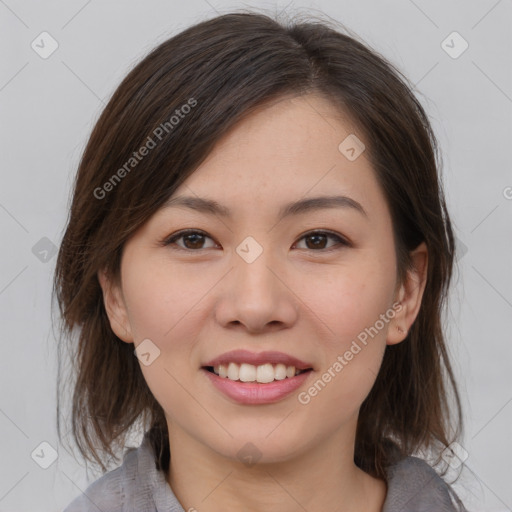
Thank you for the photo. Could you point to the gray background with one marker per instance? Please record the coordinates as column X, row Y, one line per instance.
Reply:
column 48, row 107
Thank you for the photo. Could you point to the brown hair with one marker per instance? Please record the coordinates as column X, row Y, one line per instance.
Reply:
column 225, row 68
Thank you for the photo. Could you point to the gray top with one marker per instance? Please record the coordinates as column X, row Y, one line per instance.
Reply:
column 137, row 486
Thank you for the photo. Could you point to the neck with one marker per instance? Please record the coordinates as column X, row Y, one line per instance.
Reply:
column 207, row 481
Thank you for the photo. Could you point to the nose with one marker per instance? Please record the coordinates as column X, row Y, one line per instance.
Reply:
column 256, row 296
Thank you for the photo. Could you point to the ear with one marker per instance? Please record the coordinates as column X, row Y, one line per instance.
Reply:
column 115, row 307
column 409, row 296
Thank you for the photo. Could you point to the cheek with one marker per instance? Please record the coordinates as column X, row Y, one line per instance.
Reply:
column 355, row 309
column 164, row 305
column 348, row 300
column 352, row 356
column 162, row 300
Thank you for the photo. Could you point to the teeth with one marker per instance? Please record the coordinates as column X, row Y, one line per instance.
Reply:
column 280, row 371
column 263, row 374
column 233, row 371
column 222, row 370
column 247, row 372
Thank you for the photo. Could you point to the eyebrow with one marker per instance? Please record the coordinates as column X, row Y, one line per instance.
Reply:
column 212, row 207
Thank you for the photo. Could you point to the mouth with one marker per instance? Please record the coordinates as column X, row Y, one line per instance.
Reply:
column 261, row 374
column 246, row 384
column 256, row 378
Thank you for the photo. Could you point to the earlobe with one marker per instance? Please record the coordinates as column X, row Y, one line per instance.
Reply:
column 409, row 296
column 115, row 307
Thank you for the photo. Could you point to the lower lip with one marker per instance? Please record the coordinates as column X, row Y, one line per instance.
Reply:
column 253, row 393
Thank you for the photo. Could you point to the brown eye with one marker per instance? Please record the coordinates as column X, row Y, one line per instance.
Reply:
column 192, row 240
column 317, row 240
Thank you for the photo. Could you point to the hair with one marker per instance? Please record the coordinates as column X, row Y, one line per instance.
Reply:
column 225, row 68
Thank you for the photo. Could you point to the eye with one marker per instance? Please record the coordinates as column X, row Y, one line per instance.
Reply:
column 318, row 240
column 193, row 239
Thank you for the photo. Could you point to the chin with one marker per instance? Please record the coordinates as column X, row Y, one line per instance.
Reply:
column 250, row 447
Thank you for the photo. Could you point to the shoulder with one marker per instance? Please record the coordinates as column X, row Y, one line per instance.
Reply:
column 414, row 486
column 103, row 494
column 108, row 492
column 136, row 486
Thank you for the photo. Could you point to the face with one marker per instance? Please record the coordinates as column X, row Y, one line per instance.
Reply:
column 315, row 282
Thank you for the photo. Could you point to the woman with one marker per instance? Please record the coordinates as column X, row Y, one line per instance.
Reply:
column 256, row 259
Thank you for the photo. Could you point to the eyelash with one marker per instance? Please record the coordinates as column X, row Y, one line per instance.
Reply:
column 342, row 242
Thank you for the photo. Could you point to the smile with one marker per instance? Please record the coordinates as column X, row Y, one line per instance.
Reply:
column 253, row 392
column 263, row 374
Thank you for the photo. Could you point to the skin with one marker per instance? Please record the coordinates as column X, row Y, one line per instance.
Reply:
column 307, row 300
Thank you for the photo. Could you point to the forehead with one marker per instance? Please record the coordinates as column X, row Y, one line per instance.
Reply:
column 288, row 149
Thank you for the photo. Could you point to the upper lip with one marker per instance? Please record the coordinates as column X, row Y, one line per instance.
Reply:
column 258, row 358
